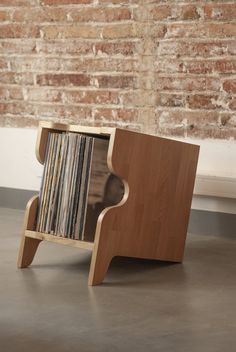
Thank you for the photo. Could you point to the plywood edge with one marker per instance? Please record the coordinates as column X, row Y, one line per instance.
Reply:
column 28, row 248
column 45, row 126
column 76, row 128
column 60, row 240
column 103, row 241
column 111, row 167
column 41, row 144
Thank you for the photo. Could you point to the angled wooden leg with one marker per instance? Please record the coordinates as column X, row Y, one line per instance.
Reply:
column 99, row 266
column 27, row 251
column 98, row 270
column 28, row 245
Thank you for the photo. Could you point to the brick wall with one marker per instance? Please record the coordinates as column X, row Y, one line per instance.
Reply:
column 164, row 67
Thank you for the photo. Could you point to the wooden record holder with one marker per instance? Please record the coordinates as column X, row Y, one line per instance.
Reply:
column 150, row 221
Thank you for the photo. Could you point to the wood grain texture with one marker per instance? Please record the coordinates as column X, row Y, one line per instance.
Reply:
column 151, row 220
column 60, row 240
column 28, row 246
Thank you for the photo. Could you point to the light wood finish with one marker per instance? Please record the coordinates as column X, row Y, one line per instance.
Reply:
column 61, row 240
column 28, row 246
column 151, row 219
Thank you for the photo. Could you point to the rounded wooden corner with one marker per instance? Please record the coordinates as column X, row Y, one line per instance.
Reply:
column 43, row 129
column 41, row 143
column 31, row 202
column 30, row 213
column 118, row 205
column 125, row 197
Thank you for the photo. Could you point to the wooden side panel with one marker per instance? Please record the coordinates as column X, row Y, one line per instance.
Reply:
column 28, row 246
column 152, row 219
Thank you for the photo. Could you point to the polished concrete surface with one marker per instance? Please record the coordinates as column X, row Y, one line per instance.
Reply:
column 142, row 305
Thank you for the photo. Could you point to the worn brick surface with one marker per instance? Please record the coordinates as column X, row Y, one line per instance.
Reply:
column 166, row 67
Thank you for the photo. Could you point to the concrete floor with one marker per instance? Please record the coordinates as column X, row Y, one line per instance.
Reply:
column 142, row 306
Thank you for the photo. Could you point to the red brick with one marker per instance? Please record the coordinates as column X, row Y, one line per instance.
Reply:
column 115, row 114
column 17, row 108
column 230, row 86
column 63, row 80
column 38, row 15
column 72, row 113
column 3, row 64
column 97, row 65
column 71, row 31
column 157, row 13
column 13, row 47
column 151, row 30
column 228, row 120
column 200, row 101
column 44, row 95
column 188, row 12
column 171, row 100
column 219, row 66
column 13, row 93
column 193, row 49
column 232, row 103
column 17, row 78
column 100, row 14
column 4, row 15
column 118, row 2
column 115, row 81
column 19, row 3
column 72, row 47
column 173, row 12
column 118, row 48
column 187, row 83
column 200, row 30
column 35, row 64
column 19, row 31
column 220, row 11
column 169, row 66
column 52, row 14
column 116, row 31
column 91, row 97
column 4, row 94
column 65, row 2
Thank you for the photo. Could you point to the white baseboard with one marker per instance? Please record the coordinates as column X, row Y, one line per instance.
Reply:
column 214, row 204
column 214, row 193
column 215, row 186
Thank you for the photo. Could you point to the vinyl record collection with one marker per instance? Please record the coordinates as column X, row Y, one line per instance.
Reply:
column 65, row 183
